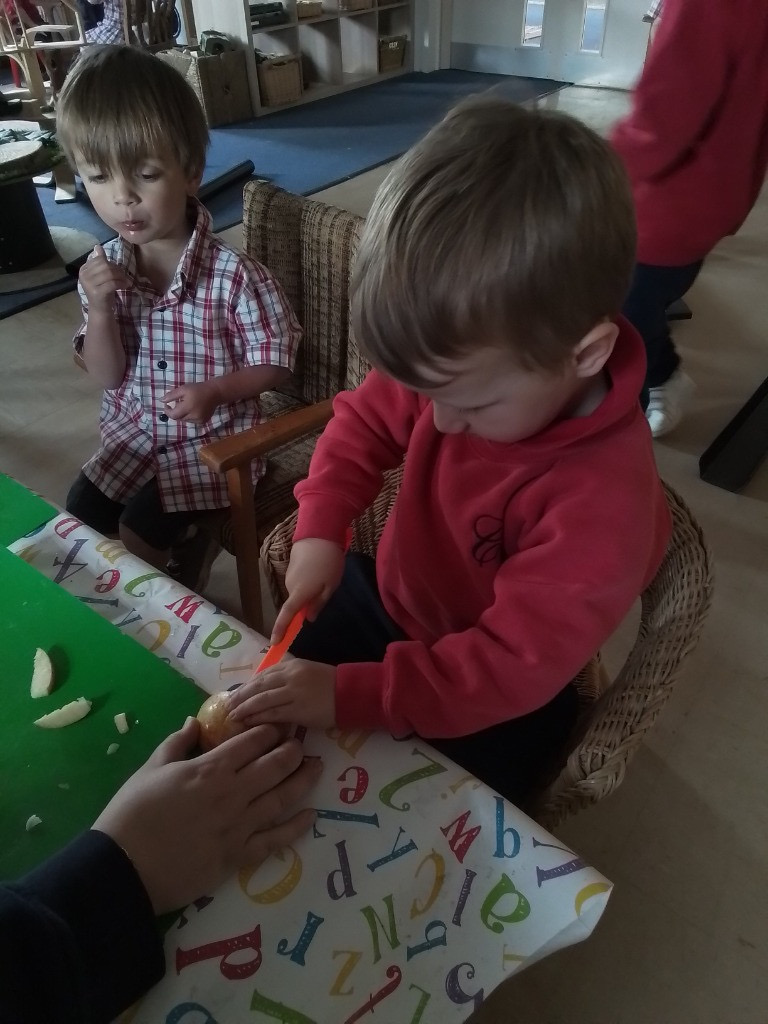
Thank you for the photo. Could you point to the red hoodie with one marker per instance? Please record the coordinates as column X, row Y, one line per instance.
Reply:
column 508, row 565
column 695, row 143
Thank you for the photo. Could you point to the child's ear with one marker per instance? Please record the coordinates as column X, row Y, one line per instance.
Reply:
column 193, row 182
column 593, row 351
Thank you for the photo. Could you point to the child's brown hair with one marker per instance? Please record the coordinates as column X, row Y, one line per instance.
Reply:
column 503, row 227
column 120, row 105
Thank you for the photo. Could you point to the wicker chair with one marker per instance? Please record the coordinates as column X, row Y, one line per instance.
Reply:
column 310, row 248
column 614, row 715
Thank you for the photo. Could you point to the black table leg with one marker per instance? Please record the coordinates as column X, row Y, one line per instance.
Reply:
column 740, row 447
column 25, row 241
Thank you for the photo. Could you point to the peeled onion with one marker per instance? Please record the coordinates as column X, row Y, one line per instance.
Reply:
column 215, row 727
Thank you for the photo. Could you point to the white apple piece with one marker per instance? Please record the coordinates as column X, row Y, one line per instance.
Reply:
column 113, row 748
column 121, row 723
column 42, row 675
column 66, row 715
column 32, row 822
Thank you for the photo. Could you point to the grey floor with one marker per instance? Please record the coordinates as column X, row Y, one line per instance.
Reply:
column 685, row 937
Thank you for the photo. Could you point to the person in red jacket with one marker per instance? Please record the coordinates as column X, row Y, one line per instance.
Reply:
column 488, row 281
column 695, row 145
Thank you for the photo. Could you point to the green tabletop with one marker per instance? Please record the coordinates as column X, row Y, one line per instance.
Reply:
column 65, row 776
column 20, row 510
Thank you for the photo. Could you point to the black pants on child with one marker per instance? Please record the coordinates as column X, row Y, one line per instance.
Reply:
column 510, row 757
column 653, row 289
column 143, row 513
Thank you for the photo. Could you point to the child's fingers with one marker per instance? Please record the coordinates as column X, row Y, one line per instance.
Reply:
column 264, row 682
column 99, row 264
column 283, row 620
column 173, row 398
column 265, row 706
column 121, row 278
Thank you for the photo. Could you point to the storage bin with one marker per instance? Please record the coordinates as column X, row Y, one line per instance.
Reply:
column 219, row 80
column 309, row 8
column 392, row 52
column 280, row 79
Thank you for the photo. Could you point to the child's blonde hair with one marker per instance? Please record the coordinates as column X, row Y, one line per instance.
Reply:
column 120, row 105
column 503, row 227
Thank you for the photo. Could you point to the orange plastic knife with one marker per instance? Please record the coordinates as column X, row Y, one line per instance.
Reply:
column 276, row 651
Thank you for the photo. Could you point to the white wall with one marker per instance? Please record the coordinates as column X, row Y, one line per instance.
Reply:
column 485, row 36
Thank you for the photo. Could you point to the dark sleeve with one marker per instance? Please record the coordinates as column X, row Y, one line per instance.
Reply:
column 78, row 939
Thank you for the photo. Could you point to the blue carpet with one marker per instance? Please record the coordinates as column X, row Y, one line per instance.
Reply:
column 308, row 148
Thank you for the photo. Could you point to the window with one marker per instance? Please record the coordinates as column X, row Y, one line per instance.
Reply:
column 534, row 17
column 593, row 27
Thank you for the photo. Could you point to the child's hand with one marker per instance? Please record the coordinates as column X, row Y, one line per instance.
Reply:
column 314, row 572
column 195, row 403
column 100, row 280
column 295, row 691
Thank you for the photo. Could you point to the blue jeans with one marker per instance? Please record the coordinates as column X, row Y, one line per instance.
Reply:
column 510, row 757
column 653, row 289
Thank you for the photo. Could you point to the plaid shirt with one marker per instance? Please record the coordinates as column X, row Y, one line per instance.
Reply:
column 110, row 28
column 222, row 312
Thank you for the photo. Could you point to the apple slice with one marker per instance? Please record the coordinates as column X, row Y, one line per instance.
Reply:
column 33, row 821
column 42, row 675
column 121, row 723
column 67, row 715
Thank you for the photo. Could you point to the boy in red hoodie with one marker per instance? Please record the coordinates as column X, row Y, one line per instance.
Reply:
column 695, row 145
column 489, row 277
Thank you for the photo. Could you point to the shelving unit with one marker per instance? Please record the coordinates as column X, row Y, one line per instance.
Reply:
column 339, row 49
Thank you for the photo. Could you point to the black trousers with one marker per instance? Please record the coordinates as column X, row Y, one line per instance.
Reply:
column 653, row 289
column 143, row 513
column 510, row 757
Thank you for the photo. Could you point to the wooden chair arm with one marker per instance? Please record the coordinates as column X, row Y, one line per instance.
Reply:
column 231, row 452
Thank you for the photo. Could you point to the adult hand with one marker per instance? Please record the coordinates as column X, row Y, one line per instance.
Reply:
column 188, row 824
column 100, row 280
column 194, row 402
column 296, row 691
column 314, row 572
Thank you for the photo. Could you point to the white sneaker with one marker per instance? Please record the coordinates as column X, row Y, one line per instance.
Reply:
column 667, row 403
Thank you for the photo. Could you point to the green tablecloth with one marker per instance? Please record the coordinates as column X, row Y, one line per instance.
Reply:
column 20, row 510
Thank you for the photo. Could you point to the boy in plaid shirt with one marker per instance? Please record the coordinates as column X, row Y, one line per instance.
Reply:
column 182, row 332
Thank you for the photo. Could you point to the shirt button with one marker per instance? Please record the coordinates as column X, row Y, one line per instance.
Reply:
column 164, row 417
column 161, row 364
column 161, row 450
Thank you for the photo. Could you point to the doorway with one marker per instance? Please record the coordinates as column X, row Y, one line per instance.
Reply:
column 587, row 42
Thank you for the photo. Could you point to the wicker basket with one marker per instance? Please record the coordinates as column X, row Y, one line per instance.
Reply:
column 219, row 80
column 392, row 52
column 355, row 5
column 309, row 8
column 280, row 79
